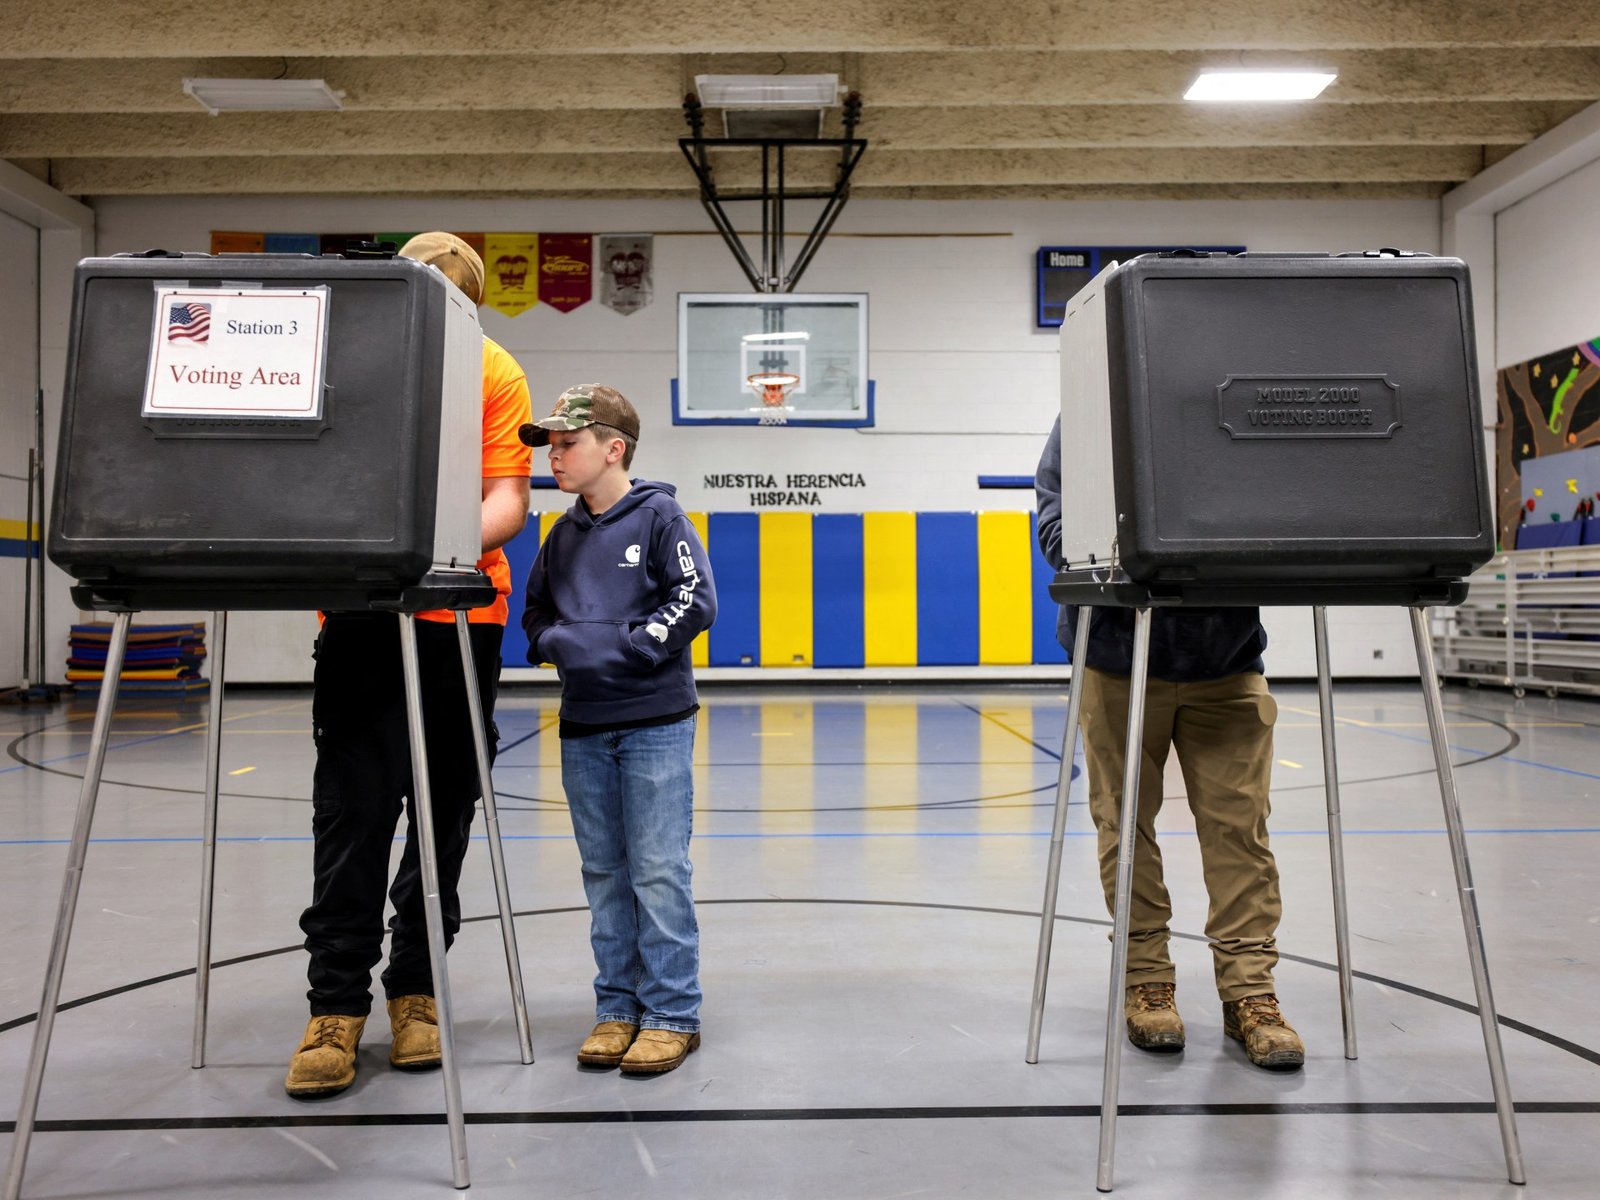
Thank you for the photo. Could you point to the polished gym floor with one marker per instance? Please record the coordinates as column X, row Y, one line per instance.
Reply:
column 869, row 866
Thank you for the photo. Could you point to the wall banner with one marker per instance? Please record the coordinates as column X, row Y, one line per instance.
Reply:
column 627, row 262
column 228, row 242
column 292, row 243
column 566, row 271
column 510, row 285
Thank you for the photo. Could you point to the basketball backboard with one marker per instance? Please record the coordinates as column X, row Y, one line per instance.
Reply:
column 725, row 338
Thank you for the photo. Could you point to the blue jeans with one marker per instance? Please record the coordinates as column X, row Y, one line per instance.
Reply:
column 631, row 794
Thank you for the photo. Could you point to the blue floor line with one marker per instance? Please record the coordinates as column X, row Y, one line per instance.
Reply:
column 1475, row 751
column 1043, row 833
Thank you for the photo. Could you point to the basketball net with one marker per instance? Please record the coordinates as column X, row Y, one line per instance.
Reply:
column 772, row 388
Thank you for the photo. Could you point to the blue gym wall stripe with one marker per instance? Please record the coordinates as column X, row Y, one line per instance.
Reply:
column 839, row 629
column 947, row 588
column 735, row 550
column 520, row 553
column 1045, row 647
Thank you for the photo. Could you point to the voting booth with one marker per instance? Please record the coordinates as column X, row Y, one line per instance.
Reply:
column 264, row 431
column 280, row 431
column 1275, row 420
column 1270, row 429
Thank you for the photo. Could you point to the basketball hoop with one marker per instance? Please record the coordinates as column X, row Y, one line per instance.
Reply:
column 773, row 388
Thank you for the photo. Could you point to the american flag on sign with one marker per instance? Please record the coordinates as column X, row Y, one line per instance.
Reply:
column 189, row 322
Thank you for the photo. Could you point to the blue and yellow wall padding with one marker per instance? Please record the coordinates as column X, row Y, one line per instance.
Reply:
column 879, row 589
column 15, row 541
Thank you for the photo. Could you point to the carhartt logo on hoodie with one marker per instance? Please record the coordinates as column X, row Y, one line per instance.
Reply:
column 632, row 556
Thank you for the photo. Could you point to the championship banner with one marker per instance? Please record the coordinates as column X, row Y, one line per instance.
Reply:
column 293, row 243
column 509, row 284
column 226, row 242
column 566, row 274
column 626, row 262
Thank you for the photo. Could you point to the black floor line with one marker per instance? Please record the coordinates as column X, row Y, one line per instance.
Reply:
column 1586, row 1053
column 695, row 1116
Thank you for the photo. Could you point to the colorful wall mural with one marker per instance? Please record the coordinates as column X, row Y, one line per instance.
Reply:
column 1547, row 405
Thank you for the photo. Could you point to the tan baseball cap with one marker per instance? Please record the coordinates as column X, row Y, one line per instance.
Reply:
column 458, row 261
column 581, row 406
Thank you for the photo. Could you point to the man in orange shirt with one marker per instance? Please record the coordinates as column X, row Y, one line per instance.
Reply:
column 363, row 771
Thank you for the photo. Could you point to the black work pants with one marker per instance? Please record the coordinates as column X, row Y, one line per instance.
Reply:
column 362, row 782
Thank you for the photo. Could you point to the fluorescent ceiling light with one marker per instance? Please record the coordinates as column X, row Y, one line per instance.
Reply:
column 263, row 95
column 1258, row 85
column 767, row 91
column 796, row 336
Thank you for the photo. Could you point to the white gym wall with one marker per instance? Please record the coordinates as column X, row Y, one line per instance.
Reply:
column 966, row 386
column 42, row 235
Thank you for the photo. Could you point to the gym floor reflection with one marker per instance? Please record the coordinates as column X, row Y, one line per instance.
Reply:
column 869, row 864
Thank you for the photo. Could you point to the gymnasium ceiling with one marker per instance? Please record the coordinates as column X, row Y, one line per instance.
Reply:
column 962, row 99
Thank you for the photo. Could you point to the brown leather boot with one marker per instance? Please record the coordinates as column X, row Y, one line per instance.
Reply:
column 605, row 1046
column 326, row 1060
column 1153, row 1020
column 1268, row 1039
column 657, row 1050
column 414, row 1033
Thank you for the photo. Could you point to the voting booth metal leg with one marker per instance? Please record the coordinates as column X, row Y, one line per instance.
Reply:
column 70, row 886
column 1330, row 783
column 208, row 852
column 427, row 858
column 1487, row 1016
column 1133, row 751
column 497, row 855
column 1052, row 875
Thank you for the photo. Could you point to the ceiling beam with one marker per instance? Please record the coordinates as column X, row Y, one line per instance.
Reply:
column 914, row 80
column 139, row 29
column 599, row 175
column 605, row 131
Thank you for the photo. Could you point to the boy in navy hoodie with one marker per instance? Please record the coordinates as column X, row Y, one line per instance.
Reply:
column 619, row 590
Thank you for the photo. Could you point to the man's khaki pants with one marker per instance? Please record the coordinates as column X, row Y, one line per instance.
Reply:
column 1222, row 731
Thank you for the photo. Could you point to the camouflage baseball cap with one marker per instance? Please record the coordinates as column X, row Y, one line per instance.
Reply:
column 581, row 406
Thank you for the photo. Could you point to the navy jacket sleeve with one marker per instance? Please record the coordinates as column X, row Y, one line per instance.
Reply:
column 689, row 601
column 538, row 612
column 1047, row 492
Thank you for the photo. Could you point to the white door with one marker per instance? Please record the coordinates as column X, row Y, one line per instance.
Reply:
column 19, row 385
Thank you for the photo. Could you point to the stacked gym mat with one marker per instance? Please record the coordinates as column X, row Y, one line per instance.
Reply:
column 162, row 660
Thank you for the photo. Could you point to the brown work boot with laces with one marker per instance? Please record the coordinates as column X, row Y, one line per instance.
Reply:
column 1268, row 1039
column 1153, row 1020
column 414, row 1033
column 326, row 1060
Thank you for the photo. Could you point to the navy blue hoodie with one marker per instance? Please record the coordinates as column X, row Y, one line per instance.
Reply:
column 614, row 601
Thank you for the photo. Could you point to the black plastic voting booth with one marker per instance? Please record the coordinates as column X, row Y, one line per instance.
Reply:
column 272, row 432
column 1270, row 429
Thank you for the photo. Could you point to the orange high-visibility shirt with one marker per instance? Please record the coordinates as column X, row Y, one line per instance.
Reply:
column 506, row 408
